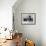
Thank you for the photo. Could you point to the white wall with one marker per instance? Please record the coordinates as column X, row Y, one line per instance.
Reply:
column 43, row 22
column 30, row 31
column 6, row 13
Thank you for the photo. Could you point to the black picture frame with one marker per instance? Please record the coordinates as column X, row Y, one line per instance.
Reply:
column 28, row 18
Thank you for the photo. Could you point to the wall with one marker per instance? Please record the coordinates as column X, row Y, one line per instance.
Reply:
column 43, row 22
column 32, row 32
column 6, row 13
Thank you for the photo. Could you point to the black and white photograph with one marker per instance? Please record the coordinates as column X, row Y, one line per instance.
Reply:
column 28, row 18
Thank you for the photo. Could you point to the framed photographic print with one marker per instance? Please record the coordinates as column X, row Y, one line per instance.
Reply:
column 28, row 18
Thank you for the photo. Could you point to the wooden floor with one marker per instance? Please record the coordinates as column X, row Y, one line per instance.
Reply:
column 9, row 43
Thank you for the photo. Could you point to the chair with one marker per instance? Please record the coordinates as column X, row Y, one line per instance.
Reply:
column 18, row 39
column 29, row 43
